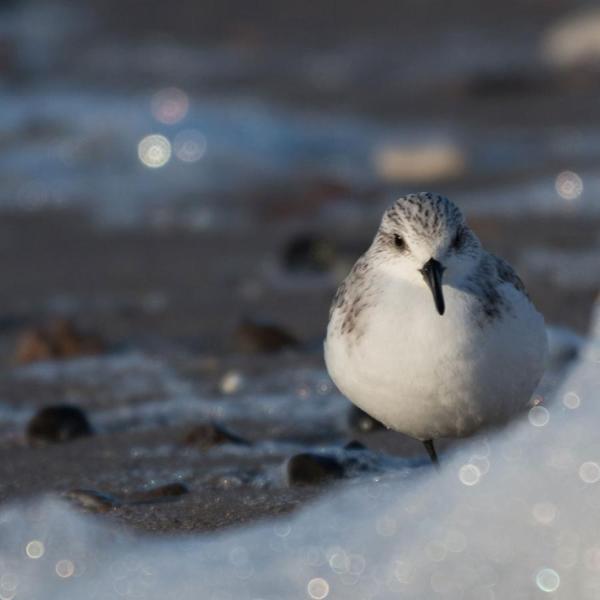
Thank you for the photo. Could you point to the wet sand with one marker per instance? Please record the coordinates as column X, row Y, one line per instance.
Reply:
column 194, row 287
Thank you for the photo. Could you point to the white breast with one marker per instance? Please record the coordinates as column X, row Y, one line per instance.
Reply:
column 432, row 376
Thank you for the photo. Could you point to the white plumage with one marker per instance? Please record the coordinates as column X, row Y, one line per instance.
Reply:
column 426, row 374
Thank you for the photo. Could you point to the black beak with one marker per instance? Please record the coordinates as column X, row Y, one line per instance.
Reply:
column 432, row 272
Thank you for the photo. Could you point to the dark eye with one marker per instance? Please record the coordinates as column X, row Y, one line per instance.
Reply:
column 457, row 240
column 399, row 242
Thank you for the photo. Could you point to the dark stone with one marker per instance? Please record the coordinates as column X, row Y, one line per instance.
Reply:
column 359, row 420
column 60, row 423
column 162, row 492
column 355, row 445
column 255, row 337
column 313, row 469
column 500, row 84
column 92, row 500
column 308, row 254
column 208, row 435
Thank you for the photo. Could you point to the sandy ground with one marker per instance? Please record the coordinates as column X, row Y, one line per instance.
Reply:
column 193, row 287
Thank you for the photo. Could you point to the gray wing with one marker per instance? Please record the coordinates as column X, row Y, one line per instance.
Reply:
column 508, row 275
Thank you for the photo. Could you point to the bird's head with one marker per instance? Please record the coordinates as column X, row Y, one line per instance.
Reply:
column 423, row 238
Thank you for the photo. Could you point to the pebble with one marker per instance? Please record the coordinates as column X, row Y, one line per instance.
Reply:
column 59, row 423
column 507, row 83
column 92, row 500
column 100, row 502
column 162, row 492
column 60, row 339
column 359, row 420
column 231, row 382
column 208, row 435
column 307, row 468
column 253, row 337
column 426, row 162
column 355, row 445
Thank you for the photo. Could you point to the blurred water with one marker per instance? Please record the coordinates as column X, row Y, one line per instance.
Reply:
column 66, row 148
column 72, row 121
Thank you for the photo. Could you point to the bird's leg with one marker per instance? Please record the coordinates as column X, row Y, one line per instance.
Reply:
column 431, row 451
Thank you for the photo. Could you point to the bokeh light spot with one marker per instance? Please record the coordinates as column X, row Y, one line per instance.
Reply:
column 356, row 564
column 571, row 400
column 483, row 464
column 170, row 105
column 338, row 562
column 568, row 185
column 282, row 529
column 589, row 472
column 189, row 145
column 547, row 580
column 35, row 549
column 65, row 568
column 154, row 151
column 539, row 416
column 318, row 588
column 469, row 474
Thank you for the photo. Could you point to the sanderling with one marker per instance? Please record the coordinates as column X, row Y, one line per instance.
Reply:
column 471, row 358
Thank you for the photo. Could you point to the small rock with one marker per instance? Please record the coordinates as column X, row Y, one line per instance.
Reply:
column 312, row 469
column 359, row 420
column 420, row 163
column 253, row 337
column 355, row 445
column 59, row 340
column 32, row 346
column 162, row 492
column 507, row 83
column 309, row 254
column 231, row 382
column 573, row 40
column 60, row 423
column 92, row 500
column 208, row 435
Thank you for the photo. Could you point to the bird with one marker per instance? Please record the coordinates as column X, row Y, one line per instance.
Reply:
column 431, row 334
